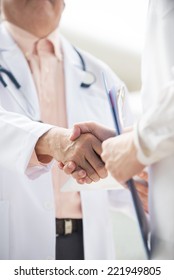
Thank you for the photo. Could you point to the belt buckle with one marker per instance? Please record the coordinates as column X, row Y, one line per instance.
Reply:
column 68, row 227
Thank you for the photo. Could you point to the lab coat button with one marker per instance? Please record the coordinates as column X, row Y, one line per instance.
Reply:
column 48, row 205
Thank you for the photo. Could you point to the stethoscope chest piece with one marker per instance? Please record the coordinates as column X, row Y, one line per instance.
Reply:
column 88, row 79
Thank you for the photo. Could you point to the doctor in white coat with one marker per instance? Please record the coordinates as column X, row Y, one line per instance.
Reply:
column 27, row 211
column 152, row 140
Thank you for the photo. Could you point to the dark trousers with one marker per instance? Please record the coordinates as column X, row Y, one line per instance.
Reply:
column 70, row 246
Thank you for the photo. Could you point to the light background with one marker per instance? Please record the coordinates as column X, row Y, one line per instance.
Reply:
column 112, row 30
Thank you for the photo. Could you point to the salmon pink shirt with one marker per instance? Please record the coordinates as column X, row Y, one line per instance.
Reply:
column 45, row 59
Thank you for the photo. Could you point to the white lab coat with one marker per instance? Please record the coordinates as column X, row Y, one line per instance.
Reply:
column 156, row 128
column 27, row 215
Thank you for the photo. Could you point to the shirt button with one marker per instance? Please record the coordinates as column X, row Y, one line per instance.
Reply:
column 27, row 54
column 48, row 205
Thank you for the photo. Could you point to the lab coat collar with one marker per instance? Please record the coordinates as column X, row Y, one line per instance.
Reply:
column 15, row 61
column 12, row 58
column 7, row 43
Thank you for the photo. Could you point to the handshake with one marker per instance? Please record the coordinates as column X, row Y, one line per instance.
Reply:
column 89, row 151
column 78, row 151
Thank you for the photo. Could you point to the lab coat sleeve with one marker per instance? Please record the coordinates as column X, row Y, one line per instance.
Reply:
column 17, row 141
column 154, row 132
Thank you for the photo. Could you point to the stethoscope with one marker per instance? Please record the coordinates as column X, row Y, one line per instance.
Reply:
column 88, row 79
column 23, row 102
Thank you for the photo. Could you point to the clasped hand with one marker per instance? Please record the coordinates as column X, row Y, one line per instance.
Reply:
column 119, row 155
column 82, row 154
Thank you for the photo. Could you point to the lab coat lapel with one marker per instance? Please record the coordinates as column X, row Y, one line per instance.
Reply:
column 80, row 107
column 83, row 104
column 73, row 78
column 14, row 60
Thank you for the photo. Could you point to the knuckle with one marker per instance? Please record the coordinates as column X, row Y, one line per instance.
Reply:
column 102, row 170
column 88, row 138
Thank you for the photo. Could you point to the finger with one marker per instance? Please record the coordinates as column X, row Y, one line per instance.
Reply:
column 143, row 193
column 60, row 165
column 141, row 188
column 79, row 174
column 143, row 175
column 81, row 181
column 91, row 173
column 86, row 180
column 69, row 167
column 97, row 164
column 97, row 147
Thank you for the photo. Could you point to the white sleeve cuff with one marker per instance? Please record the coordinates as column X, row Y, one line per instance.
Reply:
column 143, row 155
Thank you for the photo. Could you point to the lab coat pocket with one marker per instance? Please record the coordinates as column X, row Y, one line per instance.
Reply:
column 4, row 230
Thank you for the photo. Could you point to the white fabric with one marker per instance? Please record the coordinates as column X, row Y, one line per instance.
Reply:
column 31, row 219
column 154, row 133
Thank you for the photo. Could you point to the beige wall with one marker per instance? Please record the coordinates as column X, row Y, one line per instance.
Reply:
column 126, row 63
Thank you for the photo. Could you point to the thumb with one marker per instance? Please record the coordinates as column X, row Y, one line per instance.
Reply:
column 76, row 132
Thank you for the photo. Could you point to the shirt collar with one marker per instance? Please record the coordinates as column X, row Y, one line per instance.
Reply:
column 26, row 41
column 54, row 38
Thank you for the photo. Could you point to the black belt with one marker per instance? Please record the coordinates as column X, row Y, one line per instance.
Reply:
column 68, row 226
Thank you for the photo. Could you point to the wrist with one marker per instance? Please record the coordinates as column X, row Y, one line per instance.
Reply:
column 44, row 143
column 53, row 143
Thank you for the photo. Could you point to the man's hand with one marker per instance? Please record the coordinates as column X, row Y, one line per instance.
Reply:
column 99, row 131
column 84, row 152
column 120, row 156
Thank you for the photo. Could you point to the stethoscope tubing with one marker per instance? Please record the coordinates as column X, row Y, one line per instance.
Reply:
column 21, row 106
column 13, row 80
column 6, row 85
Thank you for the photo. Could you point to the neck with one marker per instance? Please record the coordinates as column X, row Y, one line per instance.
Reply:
column 38, row 29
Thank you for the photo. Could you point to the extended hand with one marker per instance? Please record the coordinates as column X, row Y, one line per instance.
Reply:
column 120, row 156
column 99, row 131
column 84, row 152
